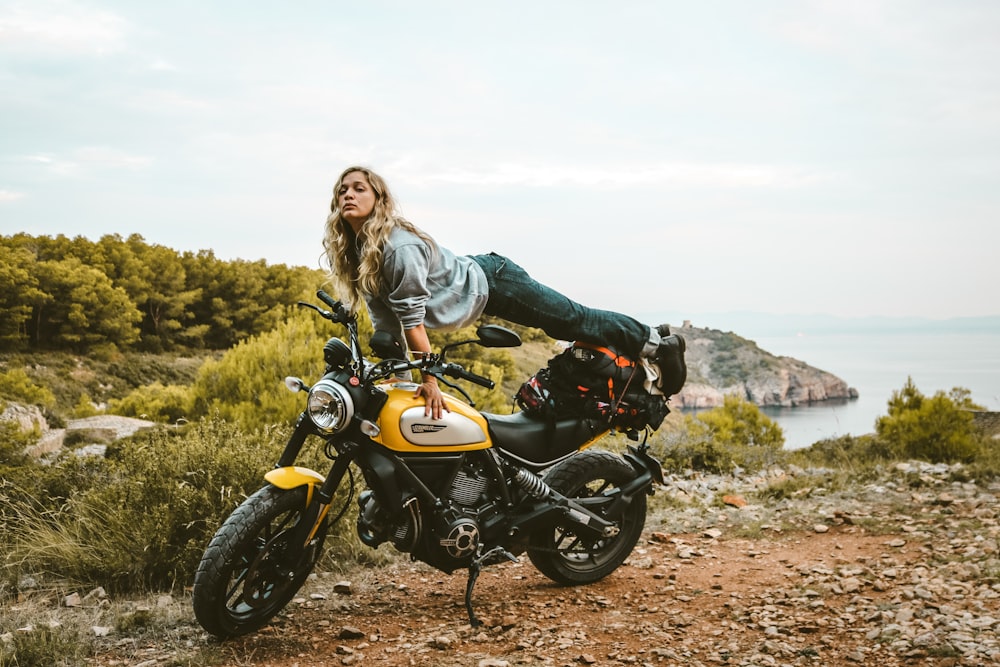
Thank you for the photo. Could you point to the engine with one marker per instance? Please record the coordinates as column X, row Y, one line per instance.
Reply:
column 469, row 487
column 447, row 537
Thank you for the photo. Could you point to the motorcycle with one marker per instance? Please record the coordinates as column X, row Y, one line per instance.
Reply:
column 467, row 490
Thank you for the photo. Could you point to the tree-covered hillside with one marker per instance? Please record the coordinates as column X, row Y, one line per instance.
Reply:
column 124, row 293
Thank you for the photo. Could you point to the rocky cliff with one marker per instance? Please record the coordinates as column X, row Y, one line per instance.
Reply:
column 721, row 363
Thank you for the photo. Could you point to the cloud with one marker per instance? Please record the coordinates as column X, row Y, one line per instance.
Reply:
column 161, row 65
column 89, row 158
column 167, row 102
column 9, row 196
column 102, row 156
column 662, row 175
column 61, row 28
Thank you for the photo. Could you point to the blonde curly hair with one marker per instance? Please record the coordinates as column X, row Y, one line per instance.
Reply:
column 355, row 274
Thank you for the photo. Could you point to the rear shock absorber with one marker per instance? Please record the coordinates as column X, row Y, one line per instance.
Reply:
column 532, row 484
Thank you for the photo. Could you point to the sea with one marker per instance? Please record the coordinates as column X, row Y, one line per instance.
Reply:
column 877, row 364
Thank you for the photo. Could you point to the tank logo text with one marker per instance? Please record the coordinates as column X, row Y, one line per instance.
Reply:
column 427, row 428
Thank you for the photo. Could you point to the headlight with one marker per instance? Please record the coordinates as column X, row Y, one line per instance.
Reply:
column 330, row 406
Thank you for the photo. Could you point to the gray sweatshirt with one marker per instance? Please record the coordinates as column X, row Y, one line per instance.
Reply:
column 422, row 286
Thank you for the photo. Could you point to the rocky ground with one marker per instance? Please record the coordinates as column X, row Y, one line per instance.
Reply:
column 903, row 571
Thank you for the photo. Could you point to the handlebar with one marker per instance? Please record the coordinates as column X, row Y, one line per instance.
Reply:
column 434, row 364
column 337, row 312
column 327, row 299
column 456, row 371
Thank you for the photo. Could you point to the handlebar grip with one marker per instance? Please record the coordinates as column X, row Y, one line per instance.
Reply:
column 462, row 374
column 327, row 299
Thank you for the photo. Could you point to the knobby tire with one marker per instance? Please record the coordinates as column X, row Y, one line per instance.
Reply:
column 568, row 559
column 239, row 586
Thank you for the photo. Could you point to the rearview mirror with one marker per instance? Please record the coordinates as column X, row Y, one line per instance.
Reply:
column 492, row 335
column 386, row 346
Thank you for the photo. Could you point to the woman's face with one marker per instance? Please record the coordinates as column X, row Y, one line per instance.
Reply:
column 355, row 199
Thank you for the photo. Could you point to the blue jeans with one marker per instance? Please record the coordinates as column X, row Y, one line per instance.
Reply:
column 519, row 298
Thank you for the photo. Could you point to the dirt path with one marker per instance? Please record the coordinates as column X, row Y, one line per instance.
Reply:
column 902, row 569
column 680, row 600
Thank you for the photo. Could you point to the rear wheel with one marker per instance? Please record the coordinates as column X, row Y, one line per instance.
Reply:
column 242, row 581
column 569, row 559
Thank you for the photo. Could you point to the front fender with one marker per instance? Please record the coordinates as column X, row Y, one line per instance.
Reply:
column 290, row 477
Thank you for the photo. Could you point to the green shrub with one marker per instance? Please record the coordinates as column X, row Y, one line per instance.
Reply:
column 68, row 377
column 246, row 384
column 143, row 517
column 134, row 368
column 734, row 359
column 44, row 646
column 149, row 509
column 84, row 407
column 156, row 402
column 938, row 428
column 848, row 452
column 13, row 441
column 30, row 488
column 734, row 435
column 15, row 385
column 987, row 463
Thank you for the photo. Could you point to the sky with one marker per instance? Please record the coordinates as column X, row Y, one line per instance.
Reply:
column 781, row 156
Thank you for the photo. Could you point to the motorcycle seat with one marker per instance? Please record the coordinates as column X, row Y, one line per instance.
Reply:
column 538, row 442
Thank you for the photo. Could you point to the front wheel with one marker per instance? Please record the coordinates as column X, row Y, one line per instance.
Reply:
column 242, row 581
column 569, row 559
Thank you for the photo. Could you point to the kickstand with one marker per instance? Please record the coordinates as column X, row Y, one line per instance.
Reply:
column 491, row 557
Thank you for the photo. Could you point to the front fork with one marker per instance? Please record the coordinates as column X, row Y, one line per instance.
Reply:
column 319, row 496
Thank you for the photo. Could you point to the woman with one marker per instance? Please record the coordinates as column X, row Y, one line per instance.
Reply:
column 410, row 283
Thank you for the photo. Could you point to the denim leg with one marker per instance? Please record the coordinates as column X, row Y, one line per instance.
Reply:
column 516, row 296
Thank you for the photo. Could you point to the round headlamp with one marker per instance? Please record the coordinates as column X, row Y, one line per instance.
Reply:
column 330, row 407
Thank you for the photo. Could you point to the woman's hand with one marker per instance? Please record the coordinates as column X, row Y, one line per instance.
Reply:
column 416, row 340
column 434, row 403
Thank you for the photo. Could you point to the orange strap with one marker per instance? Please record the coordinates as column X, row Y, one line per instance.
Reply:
column 620, row 360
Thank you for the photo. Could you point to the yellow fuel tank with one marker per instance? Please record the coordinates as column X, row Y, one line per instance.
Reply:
column 404, row 428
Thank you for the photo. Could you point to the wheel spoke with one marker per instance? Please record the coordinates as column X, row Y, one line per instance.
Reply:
column 238, row 580
column 577, row 550
column 258, row 579
column 286, row 521
column 561, row 536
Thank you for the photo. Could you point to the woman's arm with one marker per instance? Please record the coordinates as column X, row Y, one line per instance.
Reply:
column 417, row 341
